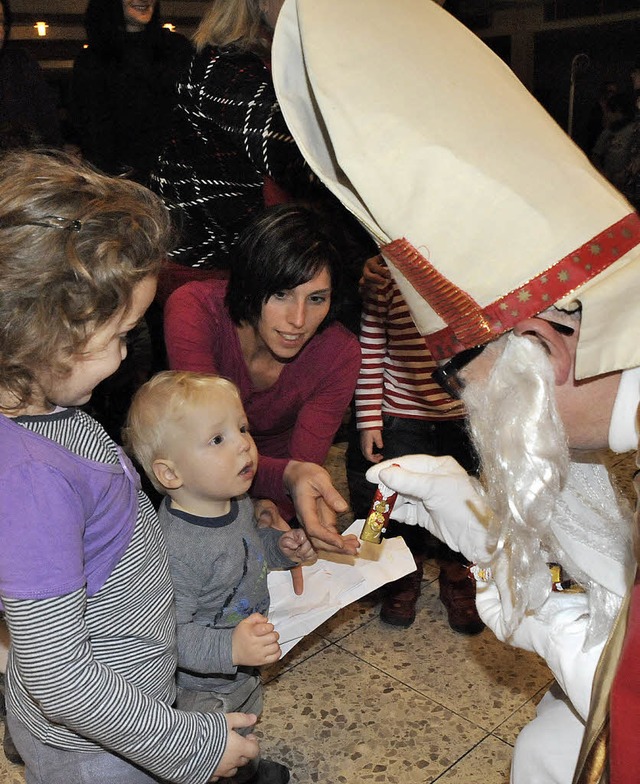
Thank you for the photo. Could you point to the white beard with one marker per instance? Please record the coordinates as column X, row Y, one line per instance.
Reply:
column 546, row 508
column 524, row 458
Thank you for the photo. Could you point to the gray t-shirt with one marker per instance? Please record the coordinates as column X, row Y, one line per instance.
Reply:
column 219, row 570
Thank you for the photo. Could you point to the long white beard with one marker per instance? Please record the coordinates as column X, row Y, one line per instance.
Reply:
column 546, row 508
column 524, row 459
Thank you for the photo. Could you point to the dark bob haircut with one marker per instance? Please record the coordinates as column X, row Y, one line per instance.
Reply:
column 284, row 247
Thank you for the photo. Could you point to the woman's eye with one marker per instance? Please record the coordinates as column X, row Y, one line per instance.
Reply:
column 279, row 294
column 318, row 299
column 244, row 428
column 216, row 440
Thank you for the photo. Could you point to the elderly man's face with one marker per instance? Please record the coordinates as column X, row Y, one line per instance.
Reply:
column 584, row 406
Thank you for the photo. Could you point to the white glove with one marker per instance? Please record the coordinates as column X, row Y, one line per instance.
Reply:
column 556, row 632
column 436, row 493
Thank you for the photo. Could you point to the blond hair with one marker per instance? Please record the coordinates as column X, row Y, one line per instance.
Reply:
column 236, row 23
column 73, row 245
column 158, row 405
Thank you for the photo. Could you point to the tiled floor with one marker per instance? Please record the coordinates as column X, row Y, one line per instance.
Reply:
column 360, row 701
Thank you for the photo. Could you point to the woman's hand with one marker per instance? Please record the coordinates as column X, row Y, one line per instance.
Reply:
column 317, row 502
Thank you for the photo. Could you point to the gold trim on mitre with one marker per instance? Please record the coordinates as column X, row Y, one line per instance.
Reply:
column 455, row 307
column 468, row 324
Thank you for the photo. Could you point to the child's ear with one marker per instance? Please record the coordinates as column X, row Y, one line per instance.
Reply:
column 166, row 474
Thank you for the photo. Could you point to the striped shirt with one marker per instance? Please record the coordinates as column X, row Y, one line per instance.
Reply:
column 395, row 375
column 94, row 669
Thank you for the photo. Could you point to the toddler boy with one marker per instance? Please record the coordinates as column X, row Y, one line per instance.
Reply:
column 190, row 434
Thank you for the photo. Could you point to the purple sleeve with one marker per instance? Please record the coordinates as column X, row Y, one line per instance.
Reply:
column 43, row 556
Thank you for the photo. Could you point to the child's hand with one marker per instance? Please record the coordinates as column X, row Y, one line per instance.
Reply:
column 240, row 748
column 375, row 275
column 254, row 642
column 295, row 545
column 268, row 515
column 370, row 439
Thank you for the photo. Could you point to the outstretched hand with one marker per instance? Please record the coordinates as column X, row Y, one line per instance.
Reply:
column 438, row 494
column 268, row 516
column 296, row 546
column 317, row 502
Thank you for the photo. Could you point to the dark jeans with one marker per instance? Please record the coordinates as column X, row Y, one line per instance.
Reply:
column 404, row 436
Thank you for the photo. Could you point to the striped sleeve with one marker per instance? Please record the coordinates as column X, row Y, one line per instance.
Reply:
column 373, row 342
column 398, row 380
column 53, row 660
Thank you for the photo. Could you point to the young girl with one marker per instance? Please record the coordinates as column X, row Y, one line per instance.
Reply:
column 83, row 572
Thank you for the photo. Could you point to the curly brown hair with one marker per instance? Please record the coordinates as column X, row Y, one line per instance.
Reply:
column 73, row 245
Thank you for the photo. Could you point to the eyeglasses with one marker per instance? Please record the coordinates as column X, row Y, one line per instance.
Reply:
column 447, row 376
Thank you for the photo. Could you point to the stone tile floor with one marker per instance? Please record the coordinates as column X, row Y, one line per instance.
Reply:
column 359, row 701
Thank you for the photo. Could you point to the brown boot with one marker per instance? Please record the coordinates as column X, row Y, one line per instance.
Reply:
column 458, row 594
column 399, row 605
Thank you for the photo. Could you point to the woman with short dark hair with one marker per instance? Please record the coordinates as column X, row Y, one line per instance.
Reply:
column 271, row 330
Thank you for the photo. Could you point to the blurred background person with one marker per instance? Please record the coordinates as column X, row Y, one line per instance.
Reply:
column 122, row 93
column 230, row 152
column 28, row 111
column 123, row 85
column 611, row 152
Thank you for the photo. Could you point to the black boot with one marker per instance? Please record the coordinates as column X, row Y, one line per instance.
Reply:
column 458, row 594
column 399, row 604
column 268, row 772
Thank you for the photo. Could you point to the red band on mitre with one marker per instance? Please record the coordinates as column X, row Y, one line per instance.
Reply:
column 470, row 325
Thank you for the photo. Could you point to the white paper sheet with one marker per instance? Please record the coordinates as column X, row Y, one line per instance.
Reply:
column 333, row 582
